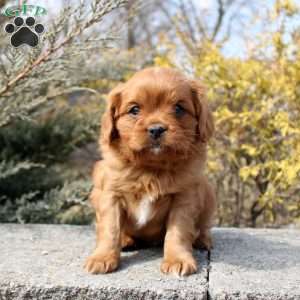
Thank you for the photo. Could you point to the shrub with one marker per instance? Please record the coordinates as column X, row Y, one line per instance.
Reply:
column 254, row 159
column 37, row 181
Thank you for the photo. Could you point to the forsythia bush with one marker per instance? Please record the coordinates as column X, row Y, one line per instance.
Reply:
column 254, row 159
column 257, row 147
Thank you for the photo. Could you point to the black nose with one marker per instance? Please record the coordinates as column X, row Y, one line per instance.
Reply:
column 155, row 131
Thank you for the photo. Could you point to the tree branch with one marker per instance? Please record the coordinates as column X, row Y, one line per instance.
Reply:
column 110, row 5
column 221, row 14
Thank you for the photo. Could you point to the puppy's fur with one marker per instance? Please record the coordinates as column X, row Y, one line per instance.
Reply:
column 148, row 188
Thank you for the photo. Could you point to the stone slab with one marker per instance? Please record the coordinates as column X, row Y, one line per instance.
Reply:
column 255, row 264
column 45, row 262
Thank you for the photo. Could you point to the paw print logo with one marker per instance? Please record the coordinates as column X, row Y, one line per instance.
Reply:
column 24, row 32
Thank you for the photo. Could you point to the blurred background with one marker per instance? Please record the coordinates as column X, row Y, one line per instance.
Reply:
column 52, row 97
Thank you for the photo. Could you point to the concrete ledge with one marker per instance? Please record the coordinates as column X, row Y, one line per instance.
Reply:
column 45, row 262
column 255, row 264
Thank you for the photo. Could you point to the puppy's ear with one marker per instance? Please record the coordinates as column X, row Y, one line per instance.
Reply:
column 109, row 131
column 205, row 127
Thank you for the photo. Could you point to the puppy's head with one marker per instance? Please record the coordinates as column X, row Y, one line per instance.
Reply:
column 157, row 115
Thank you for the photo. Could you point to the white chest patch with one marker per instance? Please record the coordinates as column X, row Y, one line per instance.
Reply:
column 144, row 211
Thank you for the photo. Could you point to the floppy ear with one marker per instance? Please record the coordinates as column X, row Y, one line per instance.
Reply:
column 109, row 131
column 205, row 127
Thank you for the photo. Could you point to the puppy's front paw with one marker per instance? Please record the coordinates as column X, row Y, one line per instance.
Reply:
column 178, row 266
column 97, row 263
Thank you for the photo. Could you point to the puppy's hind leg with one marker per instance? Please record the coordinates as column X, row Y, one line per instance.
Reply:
column 127, row 241
column 204, row 239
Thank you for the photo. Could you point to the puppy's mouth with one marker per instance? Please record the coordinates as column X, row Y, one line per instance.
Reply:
column 156, row 148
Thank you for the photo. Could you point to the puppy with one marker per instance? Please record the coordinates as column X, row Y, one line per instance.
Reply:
column 150, row 184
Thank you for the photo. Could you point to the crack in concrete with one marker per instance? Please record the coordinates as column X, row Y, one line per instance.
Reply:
column 208, row 297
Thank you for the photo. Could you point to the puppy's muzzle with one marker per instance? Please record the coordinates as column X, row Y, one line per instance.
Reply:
column 156, row 131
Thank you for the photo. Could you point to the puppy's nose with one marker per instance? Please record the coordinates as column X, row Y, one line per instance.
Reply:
column 156, row 130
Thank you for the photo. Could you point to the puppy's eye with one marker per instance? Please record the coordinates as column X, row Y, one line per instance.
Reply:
column 179, row 110
column 134, row 110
